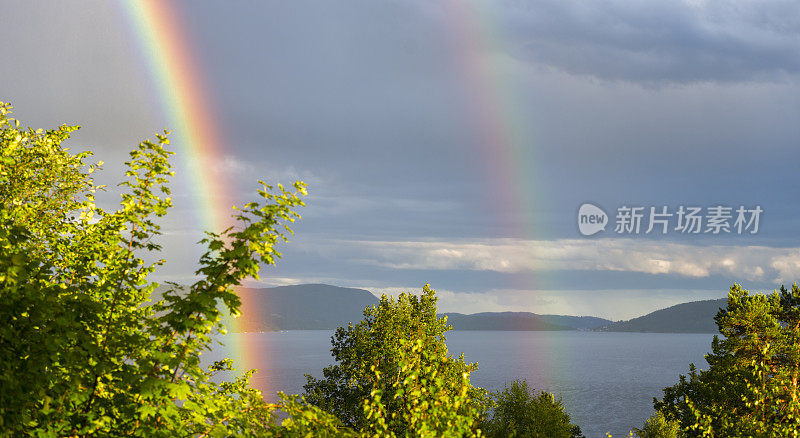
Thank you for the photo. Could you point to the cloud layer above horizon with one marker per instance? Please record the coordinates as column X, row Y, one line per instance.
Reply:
column 383, row 107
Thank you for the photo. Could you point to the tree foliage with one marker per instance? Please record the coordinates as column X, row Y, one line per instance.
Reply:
column 657, row 426
column 518, row 411
column 751, row 385
column 83, row 351
column 394, row 375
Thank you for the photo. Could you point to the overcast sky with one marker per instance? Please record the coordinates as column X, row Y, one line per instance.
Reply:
column 453, row 142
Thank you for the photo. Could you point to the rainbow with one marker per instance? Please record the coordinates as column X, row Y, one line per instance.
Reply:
column 507, row 137
column 166, row 48
column 499, row 122
column 498, row 119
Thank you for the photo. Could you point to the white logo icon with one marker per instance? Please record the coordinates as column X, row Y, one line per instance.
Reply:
column 591, row 219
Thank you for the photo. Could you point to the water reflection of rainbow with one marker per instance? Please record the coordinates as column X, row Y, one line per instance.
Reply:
column 167, row 50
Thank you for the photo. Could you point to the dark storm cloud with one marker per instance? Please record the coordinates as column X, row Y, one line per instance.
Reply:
column 660, row 41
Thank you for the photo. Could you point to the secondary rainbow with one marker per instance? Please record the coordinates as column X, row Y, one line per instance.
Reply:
column 480, row 64
column 489, row 75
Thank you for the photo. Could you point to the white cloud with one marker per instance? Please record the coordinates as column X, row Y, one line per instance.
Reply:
column 231, row 165
column 748, row 262
column 788, row 266
column 275, row 281
column 238, row 167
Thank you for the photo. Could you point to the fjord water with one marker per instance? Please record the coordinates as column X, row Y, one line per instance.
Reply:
column 606, row 380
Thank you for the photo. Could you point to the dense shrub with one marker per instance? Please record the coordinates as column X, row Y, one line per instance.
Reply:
column 394, row 364
column 518, row 411
column 657, row 426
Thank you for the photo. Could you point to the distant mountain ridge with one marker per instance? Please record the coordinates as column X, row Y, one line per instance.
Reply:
column 301, row 307
column 510, row 321
column 521, row 321
column 325, row 307
column 578, row 322
column 692, row 317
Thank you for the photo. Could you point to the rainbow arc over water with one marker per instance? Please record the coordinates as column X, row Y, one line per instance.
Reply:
column 168, row 51
column 499, row 123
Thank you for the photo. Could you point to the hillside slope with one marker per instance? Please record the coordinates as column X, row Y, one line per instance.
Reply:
column 301, row 307
column 514, row 321
column 693, row 317
column 577, row 322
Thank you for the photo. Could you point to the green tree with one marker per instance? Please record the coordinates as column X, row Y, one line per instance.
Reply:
column 394, row 375
column 83, row 351
column 657, row 426
column 751, row 385
column 517, row 411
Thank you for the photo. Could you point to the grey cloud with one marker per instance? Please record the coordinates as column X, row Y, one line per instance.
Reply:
column 372, row 104
column 661, row 41
column 77, row 63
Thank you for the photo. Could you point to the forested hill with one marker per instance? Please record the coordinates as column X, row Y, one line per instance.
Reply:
column 577, row 322
column 521, row 321
column 693, row 317
column 325, row 307
column 301, row 307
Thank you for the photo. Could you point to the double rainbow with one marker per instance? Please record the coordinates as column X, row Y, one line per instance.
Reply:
column 498, row 121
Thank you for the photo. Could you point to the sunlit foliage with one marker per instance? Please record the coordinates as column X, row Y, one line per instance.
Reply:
column 83, row 351
column 751, row 385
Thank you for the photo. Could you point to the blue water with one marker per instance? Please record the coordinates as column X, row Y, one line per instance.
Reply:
column 606, row 380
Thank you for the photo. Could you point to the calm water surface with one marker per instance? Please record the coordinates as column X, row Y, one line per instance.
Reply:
column 606, row 380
